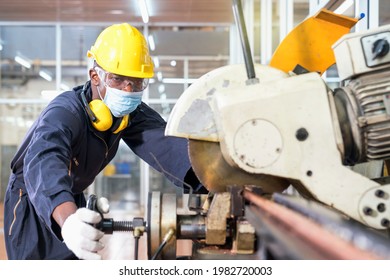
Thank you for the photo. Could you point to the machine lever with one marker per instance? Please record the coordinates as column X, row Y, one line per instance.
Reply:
column 239, row 17
column 108, row 225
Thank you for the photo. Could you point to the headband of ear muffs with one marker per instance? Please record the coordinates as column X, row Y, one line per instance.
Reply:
column 101, row 117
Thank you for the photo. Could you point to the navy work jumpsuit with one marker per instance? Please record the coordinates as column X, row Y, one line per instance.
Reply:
column 60, row 157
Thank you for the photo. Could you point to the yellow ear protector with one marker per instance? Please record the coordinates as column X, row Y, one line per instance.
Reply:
column 100, row 115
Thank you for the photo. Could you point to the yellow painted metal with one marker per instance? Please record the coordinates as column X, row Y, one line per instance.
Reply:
column 310, row 43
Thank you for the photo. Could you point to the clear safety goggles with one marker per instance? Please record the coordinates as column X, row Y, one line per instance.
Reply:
column 125, row 83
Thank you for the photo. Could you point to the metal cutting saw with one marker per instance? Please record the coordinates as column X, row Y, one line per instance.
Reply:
column 270, row 128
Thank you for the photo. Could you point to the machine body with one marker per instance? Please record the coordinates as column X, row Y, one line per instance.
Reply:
column 295, row 128
column 252, row 142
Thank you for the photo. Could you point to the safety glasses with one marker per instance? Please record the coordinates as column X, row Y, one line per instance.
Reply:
column 125, row 83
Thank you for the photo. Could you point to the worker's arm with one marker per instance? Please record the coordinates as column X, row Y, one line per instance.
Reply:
column 145, row 137
column 63, row 211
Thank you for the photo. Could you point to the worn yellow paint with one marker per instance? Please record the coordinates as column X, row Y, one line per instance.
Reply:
column 310, row 43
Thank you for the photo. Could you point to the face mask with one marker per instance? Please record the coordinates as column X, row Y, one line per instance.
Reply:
column 121, row 103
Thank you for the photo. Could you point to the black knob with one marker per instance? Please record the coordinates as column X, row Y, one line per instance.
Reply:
column 302, row 134
column 380, row 48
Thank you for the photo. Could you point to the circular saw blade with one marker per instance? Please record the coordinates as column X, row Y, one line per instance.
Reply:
column 216, row 174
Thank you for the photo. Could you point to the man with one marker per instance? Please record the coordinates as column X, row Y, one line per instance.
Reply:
column 73, row 139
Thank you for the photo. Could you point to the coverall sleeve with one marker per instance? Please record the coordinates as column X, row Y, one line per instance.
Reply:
column 48, row 159
column 166, row 154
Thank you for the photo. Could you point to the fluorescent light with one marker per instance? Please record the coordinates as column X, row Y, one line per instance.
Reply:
column 144, row 10
column 343, row 7
column 1, row 47
column 178, row 81
column 163, row 96
column 161, row 88
column 151, row 42
column 23, row 61
column 156, row 62
column 116, row 12
column 45, row 75
column 49, row 94
column 159, row 76
column 64, row 87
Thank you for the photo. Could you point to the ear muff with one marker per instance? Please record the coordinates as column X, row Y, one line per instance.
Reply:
column 100, row 115
column 103, row 117
column 122, row 125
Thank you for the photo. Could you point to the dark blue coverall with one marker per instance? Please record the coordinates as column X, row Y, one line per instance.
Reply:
column 60, row 157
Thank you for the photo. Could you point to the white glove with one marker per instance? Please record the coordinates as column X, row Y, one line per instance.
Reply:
column 81, row 237
column 103, row 205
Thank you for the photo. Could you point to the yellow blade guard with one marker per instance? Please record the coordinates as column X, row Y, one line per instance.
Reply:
column 310, row 43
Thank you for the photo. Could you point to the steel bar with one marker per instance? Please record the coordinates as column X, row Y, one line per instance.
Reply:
column 239, row 17
column 325, row 243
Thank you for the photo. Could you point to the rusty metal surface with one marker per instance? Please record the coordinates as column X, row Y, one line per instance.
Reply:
column 216, row 174
column 216, row 219
column 299, row 237
column 245, row 237
column 161, row 219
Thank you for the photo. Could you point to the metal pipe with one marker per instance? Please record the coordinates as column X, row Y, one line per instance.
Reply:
column 239, row 18
column 325, row 243
column 191, row 227
column 136, row 242
column 192, row 231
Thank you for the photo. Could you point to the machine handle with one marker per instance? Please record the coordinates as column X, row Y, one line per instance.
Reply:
column 239, row 18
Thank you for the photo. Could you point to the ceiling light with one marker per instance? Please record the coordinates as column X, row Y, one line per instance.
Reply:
column 44, row 74
column 173, row 63
column 178, row 81
column 64, row 87
column 156, row 62
column 159, row 76
column 116, row 12
column 144, row 10
column 23, row 61
column 49, row 94
column 161, row 88
column 151, row 42
column 163, row 96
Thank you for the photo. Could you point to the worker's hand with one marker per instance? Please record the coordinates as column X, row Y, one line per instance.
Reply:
column 103, row 205
column 80, row 236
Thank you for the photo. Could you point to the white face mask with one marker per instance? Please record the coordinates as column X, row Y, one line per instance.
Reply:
column 120, row 102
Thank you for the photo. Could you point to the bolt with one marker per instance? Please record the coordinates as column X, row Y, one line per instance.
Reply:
column 302, row 134
column 385, row 222
column 381, row 207
column 379, row 193
column 309, row 173
column 367, row 211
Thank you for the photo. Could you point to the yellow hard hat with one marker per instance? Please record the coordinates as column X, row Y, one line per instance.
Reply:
column 121, row 49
